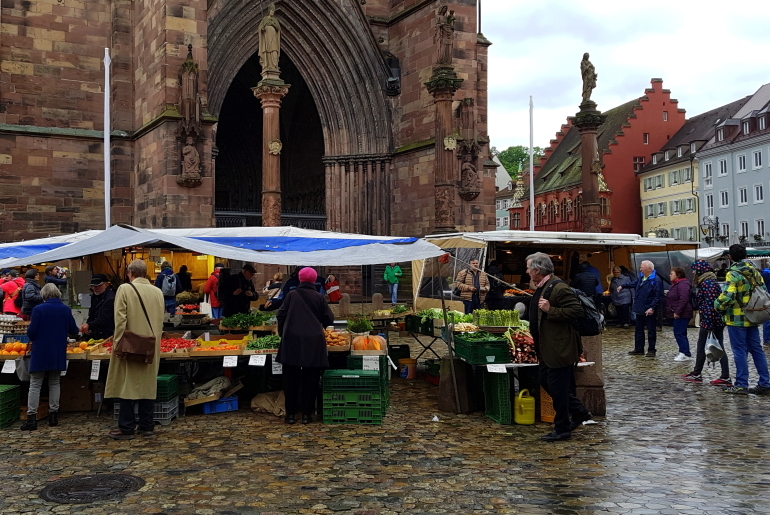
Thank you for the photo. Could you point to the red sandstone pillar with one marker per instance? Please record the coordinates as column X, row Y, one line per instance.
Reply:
column 588, row 121
column 270, row 95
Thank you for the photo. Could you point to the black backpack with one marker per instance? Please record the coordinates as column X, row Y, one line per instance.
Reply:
column 694, row 298
column 18, row 300
column 592, row 321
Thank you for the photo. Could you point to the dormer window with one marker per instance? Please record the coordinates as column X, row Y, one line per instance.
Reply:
column 654, row 159
column 679, row 152
column 720, row 134
column 665, row 155
column 746, row 127
column 762, row 121
column 692, row 148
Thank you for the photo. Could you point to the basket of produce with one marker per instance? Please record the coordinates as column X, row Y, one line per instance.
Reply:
column 176, row 347
column 100, row 350
column 496, row 318
column 263, row 345
column 337, row 341
column 521, row 344
column 221, row 347
column 482, row 348
column 245, row 321
column 77, row 350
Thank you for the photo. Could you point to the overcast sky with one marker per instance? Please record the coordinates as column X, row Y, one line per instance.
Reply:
column 707, row 56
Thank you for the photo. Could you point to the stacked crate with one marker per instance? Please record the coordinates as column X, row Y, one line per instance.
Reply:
column 357, row 363
column 10, row 404
column 166, row 401
column 354, row 397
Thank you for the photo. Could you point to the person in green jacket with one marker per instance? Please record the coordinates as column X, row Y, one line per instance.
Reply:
column 391, row 275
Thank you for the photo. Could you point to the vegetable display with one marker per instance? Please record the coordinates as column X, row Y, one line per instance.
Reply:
column 359, row 325
column 399, row 309
column 335, row 338
column 454, row 317
column 265, row 342
column 464, row 327
column 521, row 345
column 370, row 342
column 170, row 344
column 482, row 336
column 497, row 318
column 246, row 320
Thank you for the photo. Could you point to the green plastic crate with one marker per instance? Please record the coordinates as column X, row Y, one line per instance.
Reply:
column 9, row 404
column 361, row 380
column 168, row 387
column 10, row 415
column 353, row 399
column 497, row 397
column 357, row 363
column 479, row 353
column 8, row 391
column 356, row 415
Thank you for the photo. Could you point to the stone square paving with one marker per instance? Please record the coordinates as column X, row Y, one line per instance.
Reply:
column 665, row 447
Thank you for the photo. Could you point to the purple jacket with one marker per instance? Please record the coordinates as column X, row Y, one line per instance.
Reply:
column 678, row 299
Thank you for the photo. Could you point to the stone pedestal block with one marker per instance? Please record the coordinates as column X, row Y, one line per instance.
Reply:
column 593, row 397
column 594, row 375
column 377, row 301
column 344, row 305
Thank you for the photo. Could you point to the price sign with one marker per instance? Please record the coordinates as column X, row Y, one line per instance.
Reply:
column 277, row 368
column 371, row 363
column 392, row 364
column 96, row 365
column 230, row 361
column 498, row 369
column 9, row 367
column 66, row 366
column 258, row 360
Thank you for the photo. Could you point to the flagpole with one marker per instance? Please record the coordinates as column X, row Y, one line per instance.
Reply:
column 107, row 186
column 531, row 169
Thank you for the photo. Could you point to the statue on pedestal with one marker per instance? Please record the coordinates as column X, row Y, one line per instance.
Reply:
column 443, row 34
column 588, row 72
column 191, row 165
column 269, row 43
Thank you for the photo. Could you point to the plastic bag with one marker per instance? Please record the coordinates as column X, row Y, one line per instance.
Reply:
column 714, row 350
column 22, row 369
column 205, row 307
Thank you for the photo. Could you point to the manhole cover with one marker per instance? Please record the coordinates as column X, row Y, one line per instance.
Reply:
column 86, row 489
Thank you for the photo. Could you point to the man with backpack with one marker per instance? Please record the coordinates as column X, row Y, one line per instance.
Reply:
column 552, row 313
column 169, row 284
column 766, row 325
column 742, row 280
column 649, row 292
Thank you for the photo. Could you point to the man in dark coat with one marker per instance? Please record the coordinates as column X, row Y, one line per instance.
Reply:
column 649, row 292
column 101, row 315
column 552, row 309
column 236, row 292
column 585, row 281
column 30, row 293
column 301, row 321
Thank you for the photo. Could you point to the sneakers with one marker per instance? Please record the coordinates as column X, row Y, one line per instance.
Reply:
column 682, row 357
column 739, row 390
column 650, row 355
column 721, row 382
column 692, row 378
column 760, row 390
column 636, row 353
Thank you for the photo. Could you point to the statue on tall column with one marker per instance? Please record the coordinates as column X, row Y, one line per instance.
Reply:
column 444, row 34
column 588, row 72
column 269, row 42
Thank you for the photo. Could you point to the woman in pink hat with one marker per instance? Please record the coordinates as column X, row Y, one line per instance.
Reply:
column 301, row 321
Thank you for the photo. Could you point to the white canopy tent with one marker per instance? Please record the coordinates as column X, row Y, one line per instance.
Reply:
column 14, row 251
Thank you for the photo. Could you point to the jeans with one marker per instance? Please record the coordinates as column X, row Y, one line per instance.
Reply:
column 645, row 322
column 766, row 332
column 700, row 351
column 170, row 304
column 680, row 334
column 559, row 383
column 216, row 313
column 304, row 378
column 472, row 305
column 54, row 390
column 127, row 420
column 623, row 311
column 393, row 289
column 744, row 341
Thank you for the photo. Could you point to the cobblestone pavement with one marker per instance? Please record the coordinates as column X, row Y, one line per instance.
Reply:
column 665, row 447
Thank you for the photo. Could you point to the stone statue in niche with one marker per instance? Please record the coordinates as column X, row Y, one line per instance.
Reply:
column 443, row 35
column 190, row 103
column 269, row 43
column 589, row 75
column 469, row 175
column 191, row 165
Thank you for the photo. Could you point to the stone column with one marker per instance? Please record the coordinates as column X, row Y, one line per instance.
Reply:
column 270, row 92
column 442, row 85
column 588, row 121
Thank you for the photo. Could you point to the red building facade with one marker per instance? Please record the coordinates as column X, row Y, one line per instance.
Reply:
column 626, row 139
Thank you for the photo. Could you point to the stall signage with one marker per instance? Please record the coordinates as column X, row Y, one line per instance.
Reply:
column 277, row 368
column 9, row 367
column 96, row 365
column 371, row 363
column 258, row 360
column 498, row 369
column 230, row 361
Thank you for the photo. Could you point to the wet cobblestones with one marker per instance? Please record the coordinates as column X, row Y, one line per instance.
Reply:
column 665, row 447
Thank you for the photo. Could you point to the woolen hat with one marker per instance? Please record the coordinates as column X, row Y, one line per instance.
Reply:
column 307, row 275
column 701, row 267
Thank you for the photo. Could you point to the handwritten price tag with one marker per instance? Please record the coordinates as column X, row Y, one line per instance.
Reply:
column 96, row 366
column 258, row 360
column 277, row 368
column 498, row 369
column 9, row 367
column 230, row 361
column 371, row 363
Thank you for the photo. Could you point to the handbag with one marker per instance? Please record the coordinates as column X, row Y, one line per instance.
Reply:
column 457, row 291
column 136, row 347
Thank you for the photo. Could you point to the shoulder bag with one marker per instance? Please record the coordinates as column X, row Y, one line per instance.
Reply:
column 457, row 291
column 136, row 347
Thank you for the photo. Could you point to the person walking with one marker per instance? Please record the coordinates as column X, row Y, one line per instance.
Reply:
column 236, row 292
column 707, row 292
column 552, row 309
column 185, row 278
column 50, row 325
column 170, row 285
column 138, row 309
column 302, row 318
column 391, row 275
column 742, row 277
column 30, row 294
column 649, row 290
column 11, row 291
column 473, row 285
column 101, row 315
column 211, row 288
column 679, row 309
column 621, row 298
column 766, row 325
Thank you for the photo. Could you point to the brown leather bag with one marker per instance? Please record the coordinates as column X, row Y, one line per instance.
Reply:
column 135, row 347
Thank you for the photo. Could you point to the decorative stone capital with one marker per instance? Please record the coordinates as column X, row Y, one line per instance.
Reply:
column 588, row 118
column 444, row 79
column 270, row 92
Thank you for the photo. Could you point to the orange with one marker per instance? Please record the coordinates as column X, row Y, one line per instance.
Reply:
column 77, row 350
column 4, row 353
column 69, row 351
column 23, row 346
column 17, row 346
column 13, row 353
column 9, row 347
column 83, row 345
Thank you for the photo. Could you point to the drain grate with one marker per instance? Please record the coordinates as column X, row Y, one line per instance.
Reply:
column 86, row 489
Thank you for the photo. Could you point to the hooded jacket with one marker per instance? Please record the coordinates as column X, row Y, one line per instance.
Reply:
column 708, row 291
column 741, row 278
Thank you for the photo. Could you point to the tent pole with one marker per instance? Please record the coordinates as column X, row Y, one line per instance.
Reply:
column 450, row 343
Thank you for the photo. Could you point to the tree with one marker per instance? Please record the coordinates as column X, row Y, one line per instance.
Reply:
column 512, row 157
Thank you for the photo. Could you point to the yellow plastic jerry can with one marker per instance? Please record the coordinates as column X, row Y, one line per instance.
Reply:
column 524, row 408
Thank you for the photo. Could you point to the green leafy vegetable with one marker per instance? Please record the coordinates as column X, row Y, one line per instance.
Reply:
column 359, row 325
column 265, row 342
column 498, row 318
column 246, row 320
column 399, row 309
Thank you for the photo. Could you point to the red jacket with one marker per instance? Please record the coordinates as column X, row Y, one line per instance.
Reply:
column 210, row 288
column 9, row 288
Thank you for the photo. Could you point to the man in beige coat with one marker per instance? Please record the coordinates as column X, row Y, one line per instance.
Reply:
column 131, row 382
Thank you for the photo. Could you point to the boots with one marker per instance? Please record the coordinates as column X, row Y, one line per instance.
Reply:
column 53, row 418
column 30, row 424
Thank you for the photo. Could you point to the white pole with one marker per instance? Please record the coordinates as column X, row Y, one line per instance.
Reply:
column 107, row 199
column 531, row 169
